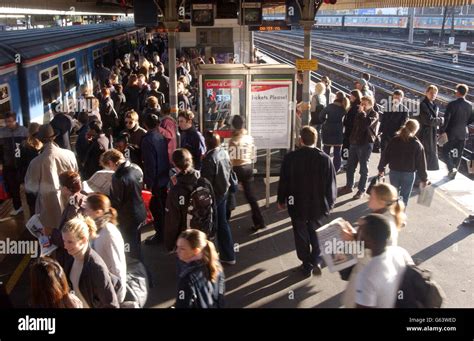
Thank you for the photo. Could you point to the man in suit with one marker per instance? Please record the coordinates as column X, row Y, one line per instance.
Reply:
column 308, row 188
column 459, row 114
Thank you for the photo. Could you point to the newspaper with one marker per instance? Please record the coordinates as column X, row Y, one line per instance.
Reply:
column 336, row 252
column 35, row 227
column 426, row 195
column 100, row 182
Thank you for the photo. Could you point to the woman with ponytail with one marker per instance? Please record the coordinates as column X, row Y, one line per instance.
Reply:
column 87, row 273
column 383, row 200
column 109, row 243
column 201, row 279
column 405, row 156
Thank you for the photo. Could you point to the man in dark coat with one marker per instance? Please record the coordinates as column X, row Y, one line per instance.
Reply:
column 458, row 116
column 99, row 143
column 126, row 198
column 308, row 188
column 429, row 122
column 154, row 151
column 393, row 118
column 11, row 138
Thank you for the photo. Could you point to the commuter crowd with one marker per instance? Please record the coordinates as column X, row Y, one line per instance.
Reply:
column 135, row 163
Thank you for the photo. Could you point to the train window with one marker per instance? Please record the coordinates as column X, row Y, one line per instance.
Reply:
column 5, row 105
column 96, row 54
column 50, row 88
column 69, row 75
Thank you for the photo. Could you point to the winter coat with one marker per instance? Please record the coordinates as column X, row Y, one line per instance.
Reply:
column 95, row 283
column 458, row 115
column 42, row 179
column 365, row 128
column 192, row 140
column 429, row 121
column 10, row 142
column 216, row 168
column 307, row 184
column 156, row 165
column 332, row 129
column 126, row 196
column 196, row 290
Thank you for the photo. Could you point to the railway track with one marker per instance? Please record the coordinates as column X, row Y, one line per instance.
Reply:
column 413, row 74
column 291, row 53
column 381, row 54
column 400, row 46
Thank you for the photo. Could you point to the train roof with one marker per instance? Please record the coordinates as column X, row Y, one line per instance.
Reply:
column 38, row 42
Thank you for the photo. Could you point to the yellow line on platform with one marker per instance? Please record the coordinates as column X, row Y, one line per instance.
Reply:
column 452, row 202
column 15, row 277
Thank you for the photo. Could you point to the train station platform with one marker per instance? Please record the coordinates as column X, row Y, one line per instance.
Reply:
column 265, row 276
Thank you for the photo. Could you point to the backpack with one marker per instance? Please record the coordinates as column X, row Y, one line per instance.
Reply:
column 200, row 210
column 418, row 290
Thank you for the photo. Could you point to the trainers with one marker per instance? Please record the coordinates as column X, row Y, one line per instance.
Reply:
column 16, row 212
column 229, row 262
column 358, row 195
column 452, row 174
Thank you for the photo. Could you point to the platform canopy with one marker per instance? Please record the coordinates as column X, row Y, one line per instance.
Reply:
column 355, row 4
column 64, row 7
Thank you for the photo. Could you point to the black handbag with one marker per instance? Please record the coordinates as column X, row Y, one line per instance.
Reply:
column 234, row 182
column 374, row 181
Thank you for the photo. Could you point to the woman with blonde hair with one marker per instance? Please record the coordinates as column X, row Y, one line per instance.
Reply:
column 109, row 243
column 88, row 273
column 383, row 200
column 201, row 279
column 49, row 286
column 319, row 102
column 405, row 156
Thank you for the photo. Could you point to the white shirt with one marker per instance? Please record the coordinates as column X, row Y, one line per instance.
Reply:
column 75, row 275
column 378, row 282
column 110, row 246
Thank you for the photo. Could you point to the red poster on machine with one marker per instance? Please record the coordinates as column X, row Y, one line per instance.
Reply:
column 224, row 84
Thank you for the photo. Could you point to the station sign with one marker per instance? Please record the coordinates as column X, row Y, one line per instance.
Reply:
column 202, row 14
column 251, row 13
column 307, row 64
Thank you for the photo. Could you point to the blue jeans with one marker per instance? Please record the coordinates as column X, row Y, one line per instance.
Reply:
column 336, row 160
column 403, row 182
column 358, row 154
column 225, row 243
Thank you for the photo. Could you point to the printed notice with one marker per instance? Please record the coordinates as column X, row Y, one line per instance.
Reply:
column 270, row 115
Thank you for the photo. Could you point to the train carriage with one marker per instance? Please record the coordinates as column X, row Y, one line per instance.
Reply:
column 41, row 68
